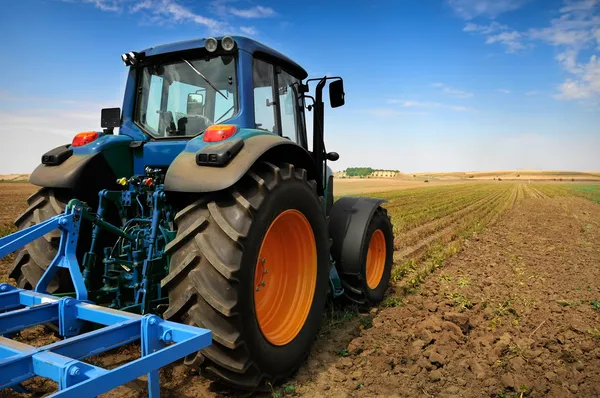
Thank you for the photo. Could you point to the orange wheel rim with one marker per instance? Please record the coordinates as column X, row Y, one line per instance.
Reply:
column 375, row 259
column 285, row 277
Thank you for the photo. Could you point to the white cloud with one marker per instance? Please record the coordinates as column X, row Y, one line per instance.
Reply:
column 169, row 11
column 106, row 5
column 585, row 83
column 413, row 104
column 254, row 12
column 484, row 29
column 503, row 91
column 512, row 40
column 385, row 113
column 453, row 92
column 248, row 30
column 42, row 129
column 575, row 30
column 469, row 9
column 498, row 33
column 532, row 93
column 461, row 108
column 427, row 105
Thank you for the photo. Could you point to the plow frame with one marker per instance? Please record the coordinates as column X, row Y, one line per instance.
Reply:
column 162, row 342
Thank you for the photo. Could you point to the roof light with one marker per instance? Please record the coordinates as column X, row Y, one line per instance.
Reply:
column 228, row 43
column 130, row 58
column 211, row 44
column 219, row 132
column 84, row 138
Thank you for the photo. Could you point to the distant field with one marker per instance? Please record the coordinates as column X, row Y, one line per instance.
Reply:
column 353, row 186
column 520, row 175
column 14, row 177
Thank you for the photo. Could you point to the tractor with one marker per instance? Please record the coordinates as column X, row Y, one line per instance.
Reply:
column 212, row 209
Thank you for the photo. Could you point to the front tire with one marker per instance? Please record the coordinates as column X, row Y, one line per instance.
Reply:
column 251, row 264
column 376, row 262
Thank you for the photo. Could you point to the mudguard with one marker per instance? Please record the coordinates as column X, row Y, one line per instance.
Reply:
column 349, row 219
column 185, row 175
column 85, row 171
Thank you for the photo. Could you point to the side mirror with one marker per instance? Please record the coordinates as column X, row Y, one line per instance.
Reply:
column 195, row 104
column 336, row 93
column 110, row 118
column 333, row 156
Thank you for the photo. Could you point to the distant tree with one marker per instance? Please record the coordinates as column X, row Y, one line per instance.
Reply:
column 358, row 171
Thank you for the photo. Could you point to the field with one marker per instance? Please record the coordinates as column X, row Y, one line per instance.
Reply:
column 511, row 175
column 356, row 186
column 495, row 292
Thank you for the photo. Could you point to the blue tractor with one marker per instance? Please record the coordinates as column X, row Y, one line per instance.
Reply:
column 212, row 209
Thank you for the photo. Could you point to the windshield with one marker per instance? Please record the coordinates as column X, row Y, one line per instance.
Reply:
column 183, row 98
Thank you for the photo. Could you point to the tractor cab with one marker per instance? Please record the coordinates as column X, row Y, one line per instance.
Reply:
column 182, row 94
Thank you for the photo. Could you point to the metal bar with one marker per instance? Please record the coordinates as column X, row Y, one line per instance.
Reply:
column 17, row 320
column 99, row 341
column 67, row 253
column 12, row 242
column 80, row 347
column 9, row 300
column 9, row 348
column 137, row 368
column 103, row 315
column 151, row 342
column 61, row 361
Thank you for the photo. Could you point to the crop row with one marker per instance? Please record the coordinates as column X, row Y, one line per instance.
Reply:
column 415, row 263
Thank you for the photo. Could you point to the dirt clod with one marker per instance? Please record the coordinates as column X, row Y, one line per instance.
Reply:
column 435, row 375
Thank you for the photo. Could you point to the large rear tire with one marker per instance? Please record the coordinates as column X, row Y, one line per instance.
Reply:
column 251, row 264
column 31, row 261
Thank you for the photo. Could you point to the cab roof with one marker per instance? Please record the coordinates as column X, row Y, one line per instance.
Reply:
column 251, row 46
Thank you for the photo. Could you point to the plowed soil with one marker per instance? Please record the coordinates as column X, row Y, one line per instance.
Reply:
column 515, row 313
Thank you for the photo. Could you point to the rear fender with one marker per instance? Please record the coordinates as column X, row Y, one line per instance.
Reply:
column 349, row 219
column 90, row 168
column 185, row 175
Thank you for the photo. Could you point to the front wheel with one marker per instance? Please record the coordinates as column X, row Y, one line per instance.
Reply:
column 376, row 261
column 252, row 266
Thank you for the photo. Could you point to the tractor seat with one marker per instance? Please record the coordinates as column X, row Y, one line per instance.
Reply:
column 190, row 125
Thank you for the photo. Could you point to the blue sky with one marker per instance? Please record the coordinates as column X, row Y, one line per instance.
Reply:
column 431, row 85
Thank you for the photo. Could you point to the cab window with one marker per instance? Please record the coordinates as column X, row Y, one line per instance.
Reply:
column 278, row 107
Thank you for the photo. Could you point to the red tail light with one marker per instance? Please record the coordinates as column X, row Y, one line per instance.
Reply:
column 82, row 139
column 219, row 132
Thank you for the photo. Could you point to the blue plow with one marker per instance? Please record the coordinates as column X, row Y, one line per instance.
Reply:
column 162, row 342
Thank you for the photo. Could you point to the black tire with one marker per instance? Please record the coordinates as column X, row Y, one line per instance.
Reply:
column 31, row 261
column 357, row 289
column 211, row 279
